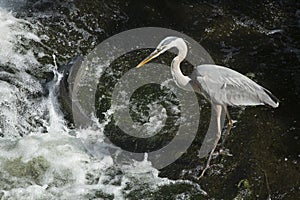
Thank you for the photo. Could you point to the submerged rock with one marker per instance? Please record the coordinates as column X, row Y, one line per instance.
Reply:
column 66, row 86
column 35, row 169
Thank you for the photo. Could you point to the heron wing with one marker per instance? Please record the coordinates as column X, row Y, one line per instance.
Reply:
column 228, row 87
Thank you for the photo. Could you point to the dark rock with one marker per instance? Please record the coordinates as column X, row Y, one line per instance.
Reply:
column 66, row 86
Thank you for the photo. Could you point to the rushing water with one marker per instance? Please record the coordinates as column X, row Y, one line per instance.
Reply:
column 42, row 157
column 39, row 158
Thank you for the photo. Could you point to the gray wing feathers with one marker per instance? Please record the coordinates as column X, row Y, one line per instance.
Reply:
column 227, row 87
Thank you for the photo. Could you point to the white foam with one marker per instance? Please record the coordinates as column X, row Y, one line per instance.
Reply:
column 12, row 30
column 21, row 113
column 54, row 165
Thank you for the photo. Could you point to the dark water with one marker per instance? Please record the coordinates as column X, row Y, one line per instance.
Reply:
column 259, row 38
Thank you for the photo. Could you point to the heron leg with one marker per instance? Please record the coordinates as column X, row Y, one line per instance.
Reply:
column 229, row 127
column 218, row 109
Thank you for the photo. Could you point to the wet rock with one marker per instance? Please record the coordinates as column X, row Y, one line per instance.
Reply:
column 66, row 86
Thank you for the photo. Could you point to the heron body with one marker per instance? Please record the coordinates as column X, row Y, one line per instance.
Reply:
column 220, row 85
column 225, row 86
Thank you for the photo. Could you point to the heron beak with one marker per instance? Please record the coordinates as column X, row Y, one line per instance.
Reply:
column 149, row 58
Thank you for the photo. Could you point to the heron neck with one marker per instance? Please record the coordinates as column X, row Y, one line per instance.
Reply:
column 180, row 79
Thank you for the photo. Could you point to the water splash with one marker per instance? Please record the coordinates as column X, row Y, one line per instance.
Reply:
column 39, row 158
column 22, row 105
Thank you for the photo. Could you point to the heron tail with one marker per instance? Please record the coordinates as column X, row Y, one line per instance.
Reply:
column 272, row 100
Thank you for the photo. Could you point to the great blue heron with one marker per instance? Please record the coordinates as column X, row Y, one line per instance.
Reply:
column 222, row 86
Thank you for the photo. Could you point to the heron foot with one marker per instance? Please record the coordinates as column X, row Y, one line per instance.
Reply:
column 225, row 152
column 231, row 122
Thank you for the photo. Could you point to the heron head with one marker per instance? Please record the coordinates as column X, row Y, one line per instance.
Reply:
column 162, row 47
